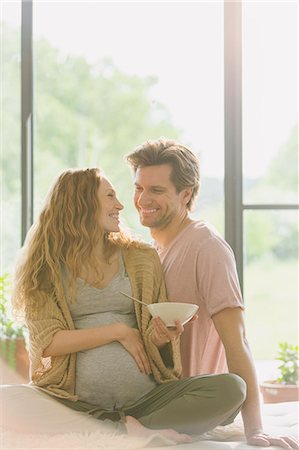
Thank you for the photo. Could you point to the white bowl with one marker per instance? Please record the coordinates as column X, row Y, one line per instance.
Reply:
column 169, row 312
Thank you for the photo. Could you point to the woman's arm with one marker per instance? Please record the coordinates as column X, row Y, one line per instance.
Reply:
column 72, row 341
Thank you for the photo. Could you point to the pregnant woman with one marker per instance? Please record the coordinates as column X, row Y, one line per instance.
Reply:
column 91, row 348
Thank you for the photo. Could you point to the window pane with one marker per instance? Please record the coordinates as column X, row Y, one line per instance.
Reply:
column 135, row 71
column 11, row 133
column 270, row 102
column 271, row 279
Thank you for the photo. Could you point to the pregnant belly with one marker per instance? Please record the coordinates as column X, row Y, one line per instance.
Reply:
column 108, row 376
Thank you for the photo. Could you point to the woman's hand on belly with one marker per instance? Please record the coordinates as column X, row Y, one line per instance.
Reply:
column 130, row 339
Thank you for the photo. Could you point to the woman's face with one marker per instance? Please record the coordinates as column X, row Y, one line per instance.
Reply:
column 110, row 206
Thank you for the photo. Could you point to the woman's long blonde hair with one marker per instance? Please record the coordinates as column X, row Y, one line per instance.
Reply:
column 66, row 235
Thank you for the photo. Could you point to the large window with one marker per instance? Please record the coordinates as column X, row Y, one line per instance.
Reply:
column 138, row 71
column 270, row 173
column 109, row 75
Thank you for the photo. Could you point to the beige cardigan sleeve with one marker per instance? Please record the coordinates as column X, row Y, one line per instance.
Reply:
column 146, row 277
column 44, row 319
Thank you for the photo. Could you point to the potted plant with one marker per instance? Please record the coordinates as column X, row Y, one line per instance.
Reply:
column 285, row 387
column 12, row 336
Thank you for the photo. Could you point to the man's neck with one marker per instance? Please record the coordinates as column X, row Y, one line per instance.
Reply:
column 164, row 236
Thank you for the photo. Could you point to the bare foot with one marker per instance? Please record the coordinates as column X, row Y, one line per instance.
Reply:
column 136, row 429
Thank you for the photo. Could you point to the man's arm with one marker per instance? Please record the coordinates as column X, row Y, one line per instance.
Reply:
column 230, row 326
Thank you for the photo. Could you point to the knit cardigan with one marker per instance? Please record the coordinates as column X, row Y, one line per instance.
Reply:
column 56, row 374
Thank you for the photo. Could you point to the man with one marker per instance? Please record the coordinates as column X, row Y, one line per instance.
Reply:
column 199, row 267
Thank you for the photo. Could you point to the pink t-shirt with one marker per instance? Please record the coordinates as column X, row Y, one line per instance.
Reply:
column 199, row 267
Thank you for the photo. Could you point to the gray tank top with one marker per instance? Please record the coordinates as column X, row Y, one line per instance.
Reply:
column 107, row 376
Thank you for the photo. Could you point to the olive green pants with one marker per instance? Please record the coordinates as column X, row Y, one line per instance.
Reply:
column 193, row 405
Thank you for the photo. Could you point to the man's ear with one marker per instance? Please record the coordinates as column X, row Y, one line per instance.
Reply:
column 186, row 195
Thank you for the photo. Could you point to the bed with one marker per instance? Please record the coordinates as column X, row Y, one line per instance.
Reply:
column 63, row 434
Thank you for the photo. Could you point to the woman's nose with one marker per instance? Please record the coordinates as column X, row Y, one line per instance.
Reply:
column 119, row 205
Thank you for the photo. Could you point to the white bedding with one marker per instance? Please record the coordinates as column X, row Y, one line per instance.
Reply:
column 279, row 419
column 62, row 429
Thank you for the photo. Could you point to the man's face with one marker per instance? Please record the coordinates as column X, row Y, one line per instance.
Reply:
column 156, row 198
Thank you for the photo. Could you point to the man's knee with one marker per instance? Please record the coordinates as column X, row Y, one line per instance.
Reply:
column 234, row 388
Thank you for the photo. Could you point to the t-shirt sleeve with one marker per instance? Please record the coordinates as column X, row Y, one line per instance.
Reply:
column 217, row 276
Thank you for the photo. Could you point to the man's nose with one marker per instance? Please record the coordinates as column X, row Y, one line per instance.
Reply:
column 143, row 198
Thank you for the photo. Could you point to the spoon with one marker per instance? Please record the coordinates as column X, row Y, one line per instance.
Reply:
column 134, row 299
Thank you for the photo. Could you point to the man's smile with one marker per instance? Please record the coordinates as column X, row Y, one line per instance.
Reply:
column 147, row 211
